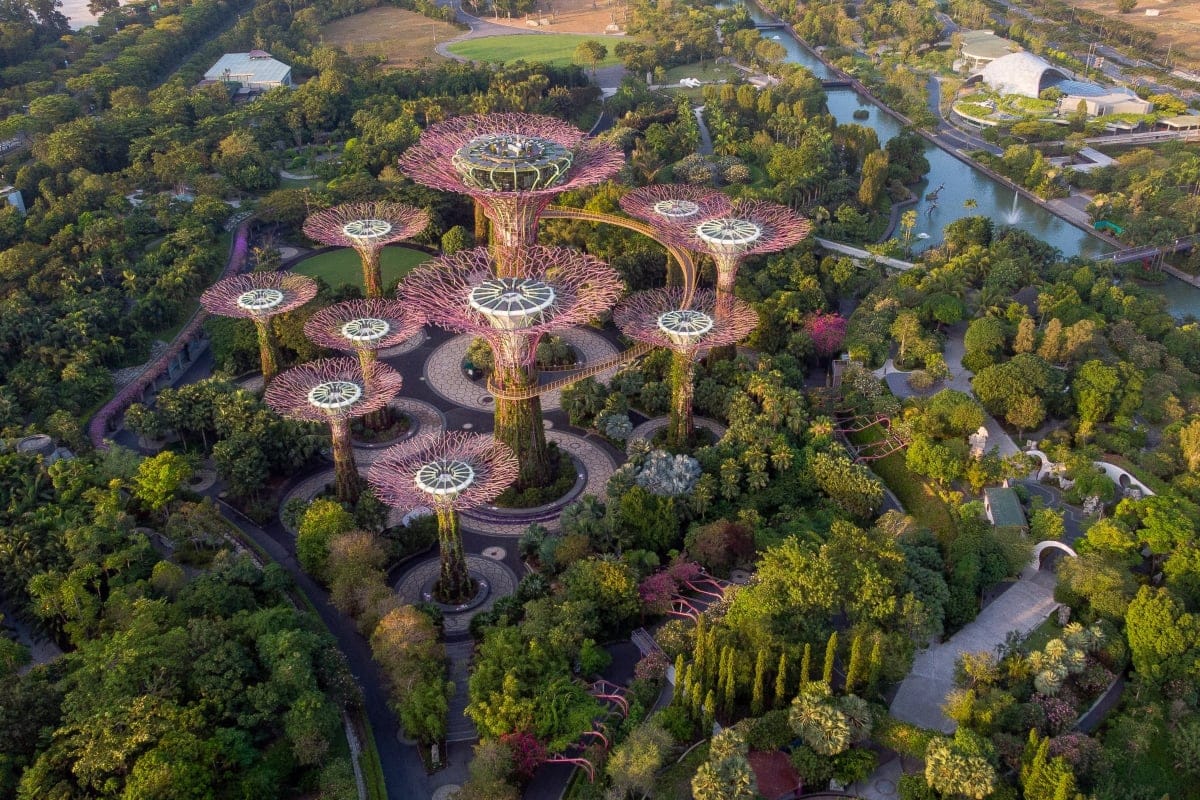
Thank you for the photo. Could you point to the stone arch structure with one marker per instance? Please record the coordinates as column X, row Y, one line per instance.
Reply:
column 1035, row 562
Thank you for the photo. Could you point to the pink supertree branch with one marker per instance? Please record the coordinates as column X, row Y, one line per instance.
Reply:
column 641, row 317
column 332, row 389
column 674, row 205
column 747, row 227
column 366, row 226
column 258, row 295
column 582, row 287
column 363, row 325
column 399, row 474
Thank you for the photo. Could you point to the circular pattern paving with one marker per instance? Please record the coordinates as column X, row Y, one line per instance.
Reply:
column 501, row 581
column 443, row 369
column 407, row 346
column 647, row 429
column 597, row 465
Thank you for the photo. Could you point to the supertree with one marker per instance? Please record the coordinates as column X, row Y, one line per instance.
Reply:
column 671, row 208
column 659, row 317
column 368, row 228
column 258, row 296
column 745, row 228
column 512, row 165
column 553, row 289
column 363, row 327
column 334, row 390
column 448, row 471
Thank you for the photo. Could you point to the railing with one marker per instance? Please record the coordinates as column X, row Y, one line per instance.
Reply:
column 637, row 351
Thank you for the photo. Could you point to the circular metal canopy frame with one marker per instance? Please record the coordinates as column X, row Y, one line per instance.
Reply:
column 367, row 230
column 257, row 300
column 729, row 231
column 366, row 329
column 512, row 302
column 445, row 477
column 512, row 162
column 336, row 394
column 676, row 208
column 685, row 325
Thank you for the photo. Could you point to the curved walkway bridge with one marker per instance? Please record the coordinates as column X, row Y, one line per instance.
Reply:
column 864, row 255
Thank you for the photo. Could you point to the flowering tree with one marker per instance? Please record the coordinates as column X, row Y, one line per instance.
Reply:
column 827, row 332
column 368, row 228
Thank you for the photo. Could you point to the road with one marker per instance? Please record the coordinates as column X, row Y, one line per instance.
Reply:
column 950, row 137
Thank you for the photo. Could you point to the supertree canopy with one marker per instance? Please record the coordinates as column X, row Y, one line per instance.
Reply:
column 658, row 317
column 448, row 471
column 334, row 390
column 513, row 165
column 258, row 296
column 553, row 289
column 368, row 228
column 674, row 204
column 747, row 227
column 363, row 326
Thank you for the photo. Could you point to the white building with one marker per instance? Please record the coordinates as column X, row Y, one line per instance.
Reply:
column 253, row 70
column 13, row 198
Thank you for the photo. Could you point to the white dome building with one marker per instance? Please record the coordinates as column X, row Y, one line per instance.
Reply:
column 1022, row 73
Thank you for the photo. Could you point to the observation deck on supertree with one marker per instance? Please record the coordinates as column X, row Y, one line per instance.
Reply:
column 335, row 390
column 553, row 289
column 258, row 296
column 363, row 327
column 674, row 205
column 450, row 472
column 512, row 165
column 658, row 317
column 746, row 228
column 368, row 228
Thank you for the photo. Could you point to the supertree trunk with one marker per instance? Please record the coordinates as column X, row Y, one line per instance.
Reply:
column 372, row 273
column 727, row 270
column 268, row 350
column 346, row 482
column 514, row 226
column 680, row 427
column 454, row 583
column 481, row 225
column 381, row 419
column 518, row 424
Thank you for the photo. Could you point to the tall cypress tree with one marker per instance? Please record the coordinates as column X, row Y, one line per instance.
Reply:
column 830, row 655
column 698, row 649
column 730, row 681
column 805, row 666
column 875, row 663
column 710, row 713
column 781, row 681
column 678, row 670
column 856, row 666
column 760, row 676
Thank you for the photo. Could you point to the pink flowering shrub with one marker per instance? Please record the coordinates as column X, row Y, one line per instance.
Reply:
column 656, row 592
column 651, row 668
column 527, row 753
column 827, row 331
column 1081, row 751
column 683, row 571
column 1060, row 715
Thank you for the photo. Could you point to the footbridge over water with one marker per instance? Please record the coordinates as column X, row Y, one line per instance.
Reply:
column 859, row 254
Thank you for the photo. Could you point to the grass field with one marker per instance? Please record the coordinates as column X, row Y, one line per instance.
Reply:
column 708, row 72
column 343, row 267
column 918, row 497
column 557, row 49
column 401, row 37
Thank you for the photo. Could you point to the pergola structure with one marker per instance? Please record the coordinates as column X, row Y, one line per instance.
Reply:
column 258, row 296
column 335, row 390
column 551, row 289
column 448, row 472
column 368, row 228
column 659, row 317
column 512, row 165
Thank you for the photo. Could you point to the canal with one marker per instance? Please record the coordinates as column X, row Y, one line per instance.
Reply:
column 954, row 181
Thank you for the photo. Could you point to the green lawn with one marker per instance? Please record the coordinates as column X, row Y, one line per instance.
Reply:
column 341, row 267
column 915, row 494
column 557, row 49
column 293, row 183
column 1043, row 633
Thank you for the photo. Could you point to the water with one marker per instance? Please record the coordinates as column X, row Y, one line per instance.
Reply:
column 959, row 181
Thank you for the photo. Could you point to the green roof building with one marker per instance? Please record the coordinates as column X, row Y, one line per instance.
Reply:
column 1003, row 508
